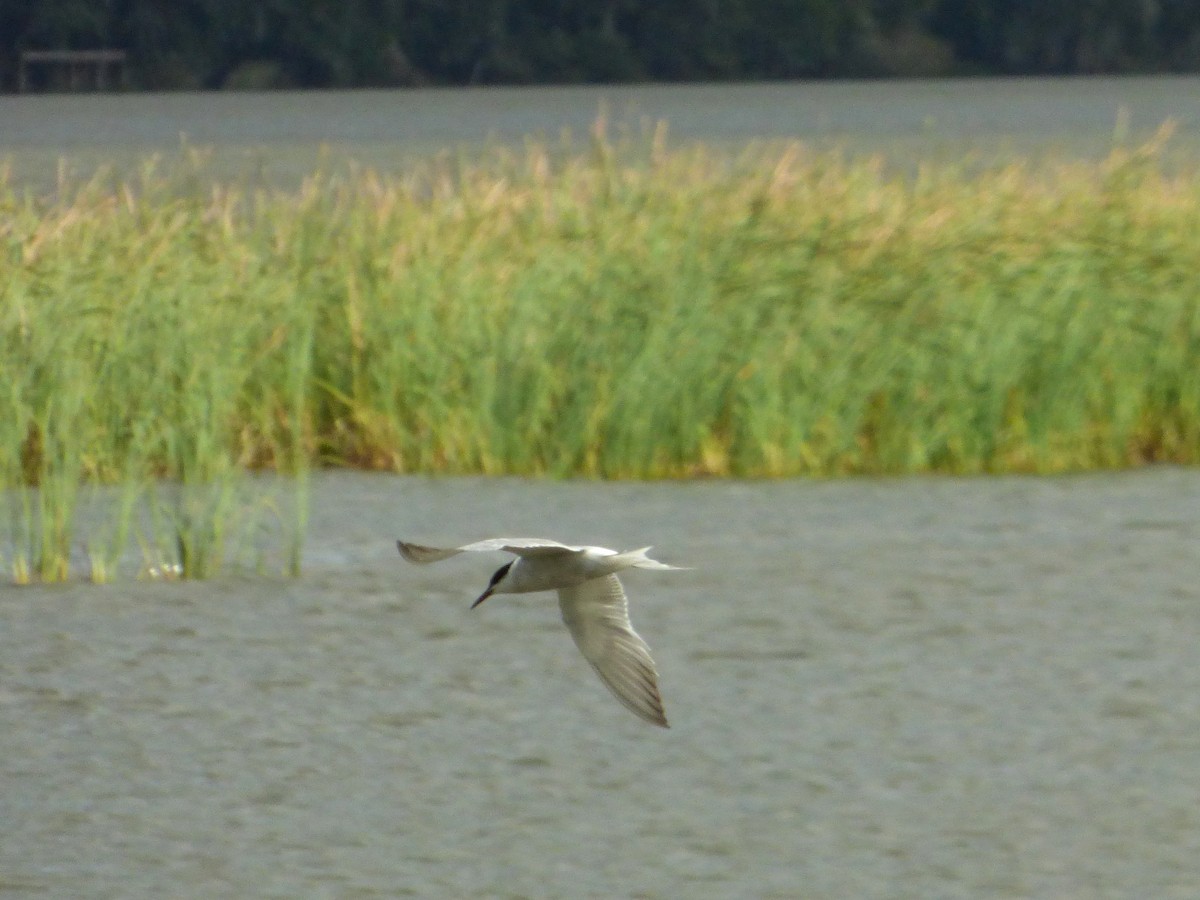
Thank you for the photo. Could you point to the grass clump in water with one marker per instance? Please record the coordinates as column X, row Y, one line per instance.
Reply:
column 632, row 312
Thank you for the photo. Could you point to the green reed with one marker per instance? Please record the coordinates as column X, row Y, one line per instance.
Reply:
column 629, row 311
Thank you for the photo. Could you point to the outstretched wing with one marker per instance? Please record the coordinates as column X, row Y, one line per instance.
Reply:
column 597, row 615
column 415, row 553
column 520, row 546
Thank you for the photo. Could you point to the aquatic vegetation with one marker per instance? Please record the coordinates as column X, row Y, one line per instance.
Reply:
column 608, row 311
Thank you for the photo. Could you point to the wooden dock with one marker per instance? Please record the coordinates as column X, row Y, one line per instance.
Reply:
column 86, row 70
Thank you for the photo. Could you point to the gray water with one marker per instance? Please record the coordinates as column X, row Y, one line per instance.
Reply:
column 283, row 135
column 878, row 688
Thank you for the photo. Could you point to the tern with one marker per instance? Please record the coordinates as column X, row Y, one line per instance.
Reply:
column 592, row 602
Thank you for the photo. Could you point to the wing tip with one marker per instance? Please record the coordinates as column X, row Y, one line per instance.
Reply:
column 652, row 713
column 646, row 703
column 414, row 553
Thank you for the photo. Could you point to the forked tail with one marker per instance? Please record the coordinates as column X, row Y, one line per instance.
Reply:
column 639, row 560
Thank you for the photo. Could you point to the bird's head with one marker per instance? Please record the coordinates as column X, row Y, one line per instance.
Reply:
column 493, row 584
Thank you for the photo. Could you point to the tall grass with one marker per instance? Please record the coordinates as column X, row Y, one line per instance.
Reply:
column 606, row 311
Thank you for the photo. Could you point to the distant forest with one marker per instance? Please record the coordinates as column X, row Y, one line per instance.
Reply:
column 216, row 44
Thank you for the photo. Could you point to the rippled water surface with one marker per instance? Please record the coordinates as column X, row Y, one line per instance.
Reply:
column 894, row 688
column 283, row 135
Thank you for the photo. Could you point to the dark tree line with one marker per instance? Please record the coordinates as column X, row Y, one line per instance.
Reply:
column 344, row 43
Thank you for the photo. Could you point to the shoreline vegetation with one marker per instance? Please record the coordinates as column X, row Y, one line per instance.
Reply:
column 626, row 309
column 228, row 45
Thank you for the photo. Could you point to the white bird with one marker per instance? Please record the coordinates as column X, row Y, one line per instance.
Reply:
column 592, row 601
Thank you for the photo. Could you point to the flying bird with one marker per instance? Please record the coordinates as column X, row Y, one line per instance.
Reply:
column 592, row 601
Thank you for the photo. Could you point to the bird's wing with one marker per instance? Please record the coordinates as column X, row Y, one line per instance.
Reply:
column 598, row 618
column 526, row 546
column 520, row 546
column 415, row 553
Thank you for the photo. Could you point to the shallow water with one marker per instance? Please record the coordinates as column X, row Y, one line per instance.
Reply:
column 878, row 688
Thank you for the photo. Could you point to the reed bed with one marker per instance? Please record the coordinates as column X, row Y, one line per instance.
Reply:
column 613, row 311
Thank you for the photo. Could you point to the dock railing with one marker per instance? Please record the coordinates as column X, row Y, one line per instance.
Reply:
column 86, row 69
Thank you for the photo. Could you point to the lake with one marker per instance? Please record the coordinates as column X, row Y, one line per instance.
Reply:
column 926, row 687
column 282, row 135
